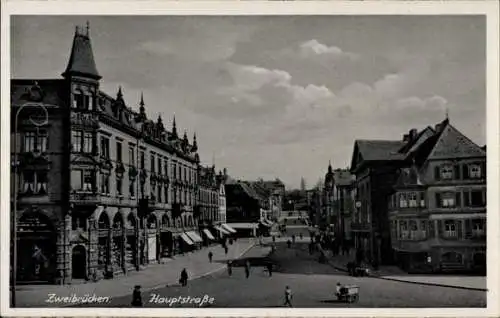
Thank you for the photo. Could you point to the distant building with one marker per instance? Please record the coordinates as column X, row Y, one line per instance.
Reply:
column 243, row 208
column 437, row 211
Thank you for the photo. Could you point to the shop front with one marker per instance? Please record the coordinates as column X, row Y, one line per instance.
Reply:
column 36, row 249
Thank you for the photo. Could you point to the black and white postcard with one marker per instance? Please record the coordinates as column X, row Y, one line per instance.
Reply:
column 250, row 158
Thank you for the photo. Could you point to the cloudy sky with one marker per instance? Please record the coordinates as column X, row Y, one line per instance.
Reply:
column 278, row 96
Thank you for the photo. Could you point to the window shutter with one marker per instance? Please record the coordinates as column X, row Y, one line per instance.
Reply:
column 459, row 229
column 431, row 229
column 465, row 171
column 437, row 173
column 440, row 227
column 483, row 169
column 456, row 169
column 438, row 200
column 459, row 202
column 466, row 198
column 468, row 228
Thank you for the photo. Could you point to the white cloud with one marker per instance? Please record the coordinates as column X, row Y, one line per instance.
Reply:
column 314, row 48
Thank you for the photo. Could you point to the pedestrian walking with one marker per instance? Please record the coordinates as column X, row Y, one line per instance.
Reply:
column 226, row 249
column 137, row 297
column 270, row 269
column 229, row 268
column 274, row 238
column 289, row 243
column 293, row 238
column 247, row 269
column 210, row 256
column 301, row 236
column 288, row 297
column 184, row 277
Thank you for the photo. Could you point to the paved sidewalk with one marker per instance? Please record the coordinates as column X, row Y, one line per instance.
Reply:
column 154, row 276
column 394, row 273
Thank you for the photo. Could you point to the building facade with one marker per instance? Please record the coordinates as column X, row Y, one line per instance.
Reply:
column 101, row 189
column 375, row 164
column 438, row 208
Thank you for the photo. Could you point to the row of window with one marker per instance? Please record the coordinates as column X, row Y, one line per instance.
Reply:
column 463, row 171
column 83, row 141
column 421, row 229
column 209, row 197
column 83, row 180
column 471, row 198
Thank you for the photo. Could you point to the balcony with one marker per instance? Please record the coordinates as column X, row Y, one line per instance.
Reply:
column 85, row 198
column 361, row 227
column 84, row 120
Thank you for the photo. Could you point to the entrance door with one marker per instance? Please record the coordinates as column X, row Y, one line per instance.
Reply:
column 79, row 262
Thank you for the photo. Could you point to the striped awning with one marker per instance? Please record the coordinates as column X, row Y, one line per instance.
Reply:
column 194, row 236
column 220, row 229
column 228, row 228
column 186, row 239
column 209, row 234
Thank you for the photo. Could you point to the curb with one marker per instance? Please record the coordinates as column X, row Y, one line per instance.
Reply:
column 412, row 282
column 343, row 269
column 252, row 244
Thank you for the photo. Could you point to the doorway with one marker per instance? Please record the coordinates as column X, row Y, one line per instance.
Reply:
column 79, row 262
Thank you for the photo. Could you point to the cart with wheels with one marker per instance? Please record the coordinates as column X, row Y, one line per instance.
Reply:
column 348, row 293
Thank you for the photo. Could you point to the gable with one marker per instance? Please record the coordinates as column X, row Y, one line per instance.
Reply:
column 453, row 144
column 356, row 156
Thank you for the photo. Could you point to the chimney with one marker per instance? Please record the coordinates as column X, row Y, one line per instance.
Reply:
column 437, row 128
column 413, row 134
column 406, row 137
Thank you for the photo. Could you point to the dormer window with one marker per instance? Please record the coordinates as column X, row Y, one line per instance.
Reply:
column 475, row 171
column 446, row 172
column 35, row 141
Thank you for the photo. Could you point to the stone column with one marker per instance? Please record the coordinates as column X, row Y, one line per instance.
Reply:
column 110, row 257
column 67, row 250
column 60, row 254
column 93, row 254
column 123, row 250
column 137, row 247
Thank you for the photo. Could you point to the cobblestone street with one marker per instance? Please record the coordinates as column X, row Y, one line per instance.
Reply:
column 313, row 285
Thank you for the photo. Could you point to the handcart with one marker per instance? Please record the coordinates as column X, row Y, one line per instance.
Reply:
column 348, row 293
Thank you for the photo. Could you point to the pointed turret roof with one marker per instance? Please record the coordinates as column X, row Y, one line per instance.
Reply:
column 174, row 129
column 195, row 144
column 81, row 61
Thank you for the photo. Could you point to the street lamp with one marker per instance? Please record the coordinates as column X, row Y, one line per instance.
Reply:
column 16, row 180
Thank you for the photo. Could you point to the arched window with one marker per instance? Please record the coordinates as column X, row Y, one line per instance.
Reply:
column 118, row 221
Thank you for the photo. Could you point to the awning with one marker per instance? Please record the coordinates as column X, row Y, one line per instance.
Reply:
column 186, row 239
column 220, row 229
column 194, row 236
column 209, row 234
column 228, row 228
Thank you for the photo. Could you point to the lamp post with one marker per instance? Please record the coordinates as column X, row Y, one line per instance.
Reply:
column 16, row 181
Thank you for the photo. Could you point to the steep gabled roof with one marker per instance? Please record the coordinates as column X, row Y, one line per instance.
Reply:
column 453, row 144
column 376, row 150
column 81, row 61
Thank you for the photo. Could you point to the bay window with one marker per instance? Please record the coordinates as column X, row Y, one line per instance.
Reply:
column 446, row 172
column 450, row 229
column 34, row 182
column 412, row 198
column 474, row 171
column 82, row 180
column 105, row 147
column 88, row 141
column 403, row 200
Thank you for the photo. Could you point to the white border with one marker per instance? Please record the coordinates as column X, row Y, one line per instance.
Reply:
column 488, row 8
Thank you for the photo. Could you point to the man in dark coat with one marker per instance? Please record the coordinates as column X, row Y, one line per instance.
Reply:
column 137, row 297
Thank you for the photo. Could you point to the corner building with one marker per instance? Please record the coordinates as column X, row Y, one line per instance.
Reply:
column 102, row 189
